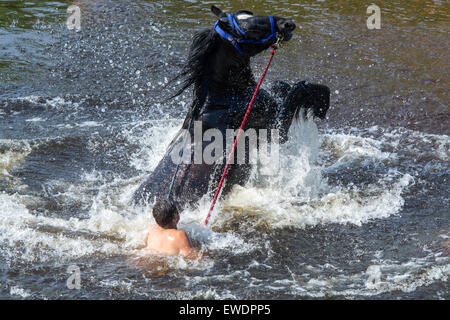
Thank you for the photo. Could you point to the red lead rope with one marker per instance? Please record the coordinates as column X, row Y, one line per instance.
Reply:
column 238, row 135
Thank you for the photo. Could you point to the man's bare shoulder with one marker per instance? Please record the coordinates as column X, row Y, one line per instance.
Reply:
column 179, row 235
column 174, row 234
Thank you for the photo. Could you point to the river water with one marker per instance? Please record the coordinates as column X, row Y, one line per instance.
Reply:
column 359, row 209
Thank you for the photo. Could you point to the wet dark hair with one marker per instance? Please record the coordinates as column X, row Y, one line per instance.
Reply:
column 164, row 211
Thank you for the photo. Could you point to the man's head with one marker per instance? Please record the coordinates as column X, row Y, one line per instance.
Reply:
column 166, row 214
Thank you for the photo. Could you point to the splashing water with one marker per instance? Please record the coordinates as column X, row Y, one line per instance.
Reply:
column 82, row 125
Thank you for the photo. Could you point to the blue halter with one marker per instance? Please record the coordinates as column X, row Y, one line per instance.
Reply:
column 235, row 26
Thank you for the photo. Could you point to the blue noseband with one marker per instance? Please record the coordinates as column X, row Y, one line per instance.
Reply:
column 235, row 41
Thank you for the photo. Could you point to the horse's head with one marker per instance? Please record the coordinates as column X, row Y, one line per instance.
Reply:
column 251, row 34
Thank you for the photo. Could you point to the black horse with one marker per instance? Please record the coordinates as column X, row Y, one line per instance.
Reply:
column 218, row 69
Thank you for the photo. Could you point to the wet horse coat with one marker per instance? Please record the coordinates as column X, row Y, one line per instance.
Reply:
column 219, row 70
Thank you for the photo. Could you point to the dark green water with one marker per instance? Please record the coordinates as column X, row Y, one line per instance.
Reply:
column 82, row 124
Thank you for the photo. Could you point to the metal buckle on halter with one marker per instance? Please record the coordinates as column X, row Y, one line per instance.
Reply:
column 280, row 38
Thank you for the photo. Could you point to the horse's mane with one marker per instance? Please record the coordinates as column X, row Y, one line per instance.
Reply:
column 194, row 73
column 195, row 70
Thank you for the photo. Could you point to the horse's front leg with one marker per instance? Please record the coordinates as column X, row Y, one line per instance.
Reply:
column 289, row 106
column 301, row 95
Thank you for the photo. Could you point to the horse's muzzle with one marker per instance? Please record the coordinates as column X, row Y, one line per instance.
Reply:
column 285, row 27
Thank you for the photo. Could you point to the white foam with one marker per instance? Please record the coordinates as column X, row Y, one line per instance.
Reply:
column 414, row 141
column 89, row 124
column 14, row 153
column 18, row 291
column 19, row 230
column 36, row 119
column 376, row 280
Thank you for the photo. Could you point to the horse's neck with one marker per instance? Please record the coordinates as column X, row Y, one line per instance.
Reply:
column 231, row 74
column 228, row 76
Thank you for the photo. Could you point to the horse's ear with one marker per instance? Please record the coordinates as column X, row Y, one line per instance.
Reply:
column 219, row 13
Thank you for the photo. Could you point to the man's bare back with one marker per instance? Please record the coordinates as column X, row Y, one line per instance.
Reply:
column 169, row 242
column 164, row 237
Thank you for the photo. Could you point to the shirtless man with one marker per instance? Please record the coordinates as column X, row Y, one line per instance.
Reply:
column 164, row 237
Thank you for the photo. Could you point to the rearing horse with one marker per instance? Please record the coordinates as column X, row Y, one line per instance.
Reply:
column 218, row 69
